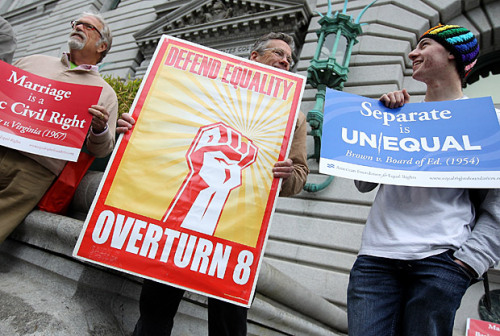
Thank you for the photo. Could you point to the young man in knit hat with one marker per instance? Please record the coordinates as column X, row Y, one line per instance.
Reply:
column 423, row 247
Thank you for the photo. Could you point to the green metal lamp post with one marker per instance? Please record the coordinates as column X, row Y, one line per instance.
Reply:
column 329, row 68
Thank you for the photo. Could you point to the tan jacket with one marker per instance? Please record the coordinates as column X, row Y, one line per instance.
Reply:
column 298, row 154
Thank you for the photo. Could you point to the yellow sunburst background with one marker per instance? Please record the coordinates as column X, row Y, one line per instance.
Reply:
column 154, row 166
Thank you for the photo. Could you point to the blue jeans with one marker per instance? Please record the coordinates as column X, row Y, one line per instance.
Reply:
column 405, row 297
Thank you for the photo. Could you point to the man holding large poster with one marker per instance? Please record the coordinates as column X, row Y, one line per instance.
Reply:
column 159, row 302
column 423, row 247
column 25, row 177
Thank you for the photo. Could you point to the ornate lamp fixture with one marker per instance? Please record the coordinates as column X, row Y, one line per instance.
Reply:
column 329, row 68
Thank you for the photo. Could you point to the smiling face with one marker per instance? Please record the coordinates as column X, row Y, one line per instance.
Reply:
column 277, row 53
column 431, row 60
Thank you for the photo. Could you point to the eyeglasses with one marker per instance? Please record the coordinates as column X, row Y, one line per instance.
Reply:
column 86, row 25
column 281, row 54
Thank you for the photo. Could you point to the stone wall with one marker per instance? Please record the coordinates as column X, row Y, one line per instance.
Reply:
column 314, row 237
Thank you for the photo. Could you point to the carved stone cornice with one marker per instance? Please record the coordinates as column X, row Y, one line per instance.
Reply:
column 225, row 24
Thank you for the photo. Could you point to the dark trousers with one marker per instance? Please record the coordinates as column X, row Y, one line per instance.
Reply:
column 159, row 303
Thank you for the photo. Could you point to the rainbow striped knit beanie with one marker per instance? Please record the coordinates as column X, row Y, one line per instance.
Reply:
column 460, row 42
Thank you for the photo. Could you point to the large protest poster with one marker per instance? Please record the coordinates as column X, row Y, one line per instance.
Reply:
column 452, row 144
column 43, row 116
column 189, row 194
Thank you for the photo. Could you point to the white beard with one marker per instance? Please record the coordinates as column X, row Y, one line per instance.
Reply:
column 75, row 43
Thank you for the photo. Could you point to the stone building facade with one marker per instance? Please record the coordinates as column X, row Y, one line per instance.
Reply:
column 314, row 237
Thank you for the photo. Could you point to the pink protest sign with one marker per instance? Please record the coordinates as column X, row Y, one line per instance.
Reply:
column 44, row 116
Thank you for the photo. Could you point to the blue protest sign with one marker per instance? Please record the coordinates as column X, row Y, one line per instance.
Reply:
column 439, row 144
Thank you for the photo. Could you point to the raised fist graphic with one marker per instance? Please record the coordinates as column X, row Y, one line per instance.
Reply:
column 216, row 159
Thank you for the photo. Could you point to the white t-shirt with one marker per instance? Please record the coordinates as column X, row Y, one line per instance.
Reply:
column 414, row 223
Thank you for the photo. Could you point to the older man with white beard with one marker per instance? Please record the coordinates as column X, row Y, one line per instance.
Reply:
column 25, row 177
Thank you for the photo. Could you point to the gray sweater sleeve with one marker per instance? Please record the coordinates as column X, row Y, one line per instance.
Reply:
column 482, row 250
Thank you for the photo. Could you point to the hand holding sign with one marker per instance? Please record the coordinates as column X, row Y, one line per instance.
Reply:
column 100, row 118
column 395, row 99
